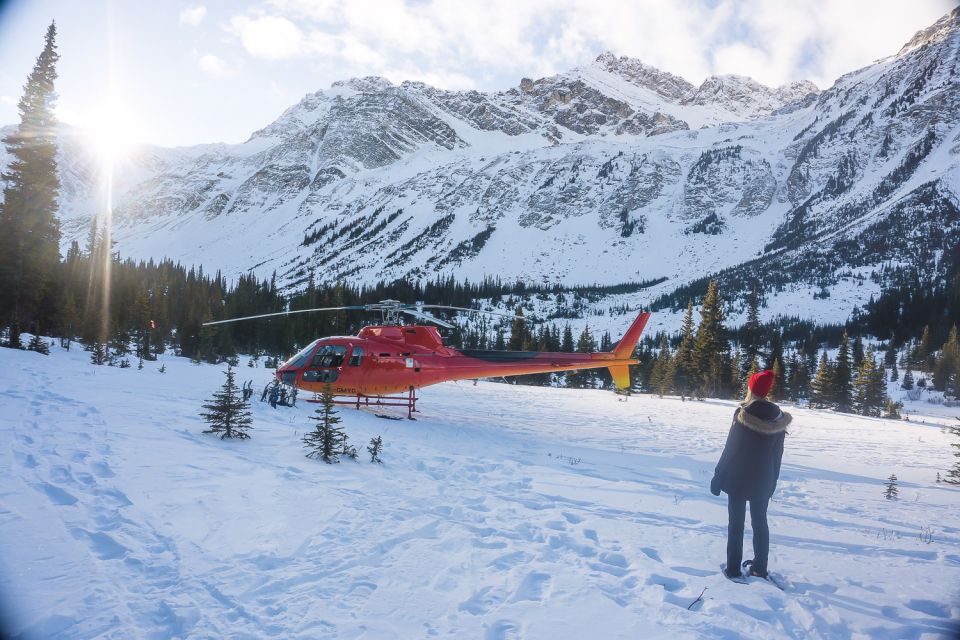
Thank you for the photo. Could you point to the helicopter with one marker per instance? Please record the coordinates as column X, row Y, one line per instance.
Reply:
column 392, row 358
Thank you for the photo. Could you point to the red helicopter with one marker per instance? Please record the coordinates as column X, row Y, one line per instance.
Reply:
column 393, row 358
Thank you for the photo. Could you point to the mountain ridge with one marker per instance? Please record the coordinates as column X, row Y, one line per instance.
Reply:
column 611, row 172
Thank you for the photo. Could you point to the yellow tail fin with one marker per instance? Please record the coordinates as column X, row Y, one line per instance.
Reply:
column 621, row 376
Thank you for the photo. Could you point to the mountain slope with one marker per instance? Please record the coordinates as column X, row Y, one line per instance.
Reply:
column 611, row 172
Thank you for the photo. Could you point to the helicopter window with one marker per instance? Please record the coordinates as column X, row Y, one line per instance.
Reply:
column 300, row 359
column 328, row 356
column 356, row 356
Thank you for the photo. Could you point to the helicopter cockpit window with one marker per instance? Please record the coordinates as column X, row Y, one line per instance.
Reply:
column 328, row 356
column 300, row 359
column 356, row 356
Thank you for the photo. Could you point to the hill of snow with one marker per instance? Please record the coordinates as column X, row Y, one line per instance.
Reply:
column 502, row 512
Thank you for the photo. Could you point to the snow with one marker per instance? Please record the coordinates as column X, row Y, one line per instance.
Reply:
column 503, row 511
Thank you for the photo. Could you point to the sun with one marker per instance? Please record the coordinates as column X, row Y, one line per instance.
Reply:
column 111, row 134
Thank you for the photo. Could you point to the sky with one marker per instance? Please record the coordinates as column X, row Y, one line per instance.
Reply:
column 181, row 73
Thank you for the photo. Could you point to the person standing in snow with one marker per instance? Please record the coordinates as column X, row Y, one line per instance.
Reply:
column 274, row 395
column 748, row 472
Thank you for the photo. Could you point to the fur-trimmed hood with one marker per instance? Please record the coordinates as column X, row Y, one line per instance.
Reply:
column 763, row 417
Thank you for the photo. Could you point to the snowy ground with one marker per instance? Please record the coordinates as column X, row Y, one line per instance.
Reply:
column 503, row 512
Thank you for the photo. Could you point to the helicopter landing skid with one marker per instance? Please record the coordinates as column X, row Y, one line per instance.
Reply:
column 361, row 401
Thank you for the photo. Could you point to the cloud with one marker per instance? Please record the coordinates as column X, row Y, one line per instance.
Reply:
column 269, row 37
column 493, row 43
column 193, row 16
column 214, row 65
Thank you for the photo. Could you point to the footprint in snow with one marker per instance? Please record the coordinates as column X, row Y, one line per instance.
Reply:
column 668, row 584
column 534, row 587
column 102, row 545
column 57, row 495
column 503, row 630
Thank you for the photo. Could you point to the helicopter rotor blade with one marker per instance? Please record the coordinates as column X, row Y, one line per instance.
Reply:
column 428, row 317
column 469, row 310
column 282, row 313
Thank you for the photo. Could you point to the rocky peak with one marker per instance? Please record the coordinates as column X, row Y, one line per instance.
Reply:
column 937, row 32
column 666, row 84
column 367, row 84
column 745, row 96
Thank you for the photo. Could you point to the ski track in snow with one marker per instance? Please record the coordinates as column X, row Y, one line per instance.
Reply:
column 503, row 512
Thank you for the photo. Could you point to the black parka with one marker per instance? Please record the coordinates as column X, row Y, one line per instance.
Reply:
column 749, row 466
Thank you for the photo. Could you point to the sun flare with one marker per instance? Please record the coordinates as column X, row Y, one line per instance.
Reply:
column 111, row 135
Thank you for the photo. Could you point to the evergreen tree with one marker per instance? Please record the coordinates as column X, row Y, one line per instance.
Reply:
column 711, row 342
column 519, row 335
column 736, row 372
column 857, row 352
column 891, row 492
column 661, row 380
column 918, row 357
column 327, row 439
column 894, row 373
column 685, row 377
column 752, row 337
column 98, row 353
column 567, row 345
column 779, row 381
column 893, row 409
column 227, row 412
column 842, row 378
column 821, row 389
column 869, row 389
column 948, row 362
column 374, row 448
column 39, row 345
column 953, row 475
column 754, row 368
column 29, row 227
column 907, row 383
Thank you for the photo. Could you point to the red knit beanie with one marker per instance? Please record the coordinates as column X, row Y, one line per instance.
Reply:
column 761, row 383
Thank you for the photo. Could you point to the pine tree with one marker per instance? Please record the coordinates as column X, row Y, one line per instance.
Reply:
column 685, row 377
column 891, row 492
column 227, row 412
column 736, row 372
column 711, row 342
column 29, row 227
column 779, row 381
column 98, row 353
column 752, row 337
column 567, row 344
column 921, row 351
column 39, row 345
column 374, row 448
column 892, row 411
column 661, row 380
column 870, row 387
column 327, row 439
column 894, row 373
column 821, row 389
column 953, row 475
column 754, row 368
column 948, row 363
column 907, row 383
column 857, row 352
column 842, row 378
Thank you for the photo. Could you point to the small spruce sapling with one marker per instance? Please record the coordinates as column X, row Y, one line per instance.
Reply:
column 891, row 492
column 374, row 448
column 327, row 439
column 163, row 368
column 953, row 475
column 348, row 449
column 228, row 414
column 37, row 344
column 98, row 354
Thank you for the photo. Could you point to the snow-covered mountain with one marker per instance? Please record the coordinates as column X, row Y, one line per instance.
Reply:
column 612, row 172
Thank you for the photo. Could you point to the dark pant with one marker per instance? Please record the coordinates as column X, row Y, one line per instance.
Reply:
column 737, row 510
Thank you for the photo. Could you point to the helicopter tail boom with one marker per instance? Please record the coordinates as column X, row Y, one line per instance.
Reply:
column 624, row 348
